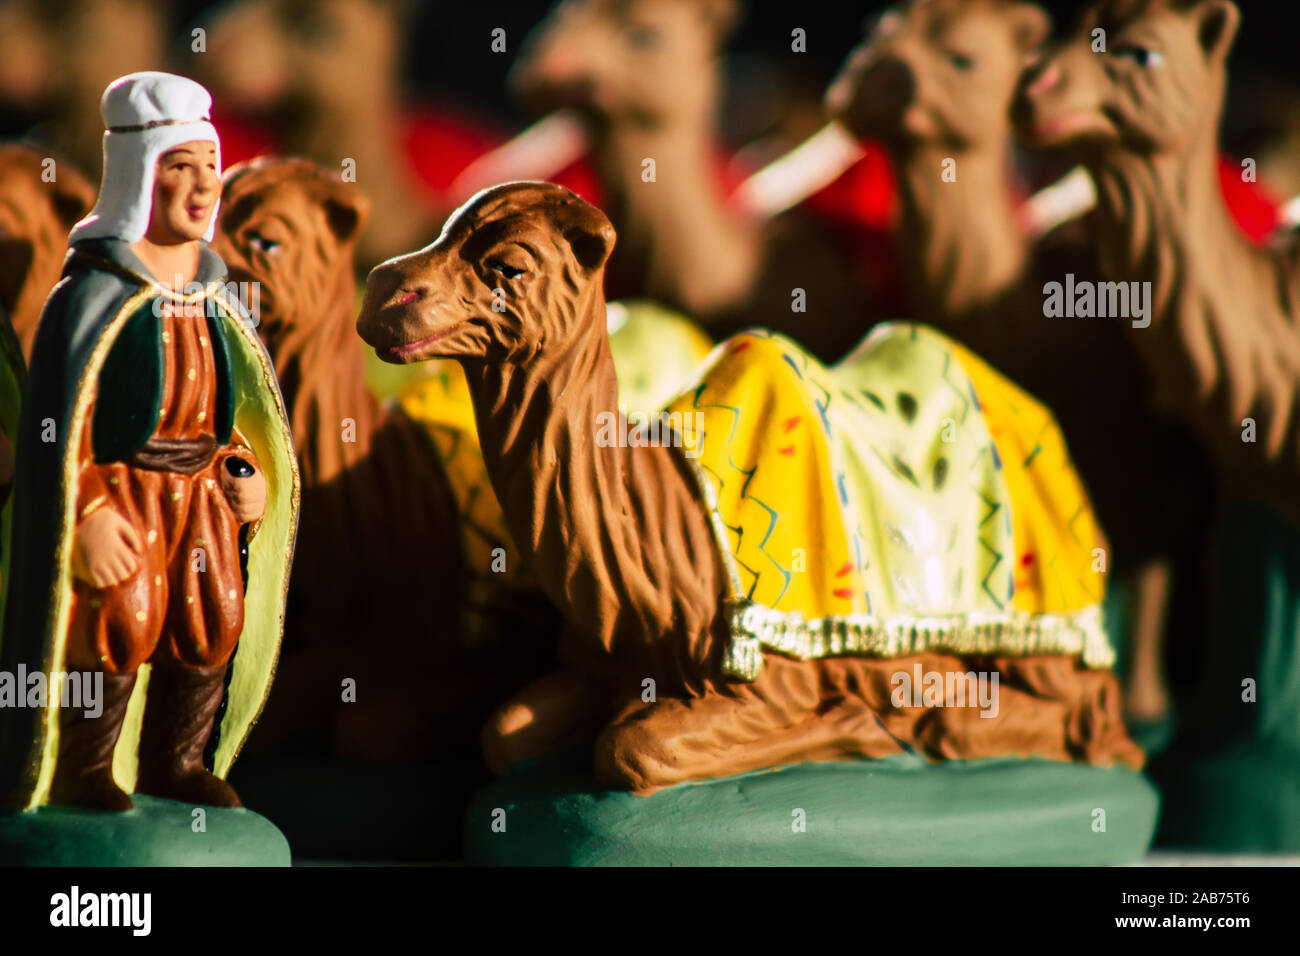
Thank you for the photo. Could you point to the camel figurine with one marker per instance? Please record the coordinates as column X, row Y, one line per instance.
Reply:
column 1223, row 350
column 644, row 80
column 934, row 82
column 389, row 505
column 342, row 100
column 58, row 61
column 394, row 493
column 676, row 568
column 35, row 218
column 1224, row 338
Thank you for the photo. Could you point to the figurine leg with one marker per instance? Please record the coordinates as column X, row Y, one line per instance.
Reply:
column 549, row 714
column 786, row 716
column 113, row 630
column 1048, row 707
column 1147, row 697
column 83, row 775
column 178, row 718
column 205, row 616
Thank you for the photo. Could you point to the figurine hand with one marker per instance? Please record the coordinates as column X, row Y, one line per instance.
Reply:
column 245, row 489
column 106, row 549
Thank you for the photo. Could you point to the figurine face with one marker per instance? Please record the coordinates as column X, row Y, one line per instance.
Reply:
column 187, row 186
column 942, row 72
column 511, row 271
column 640, row 61
column 1156, row 86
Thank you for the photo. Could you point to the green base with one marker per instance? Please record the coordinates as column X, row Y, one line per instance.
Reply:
column 1240, row 800
column 332, row 809
column 896, row 812
column 156, row 833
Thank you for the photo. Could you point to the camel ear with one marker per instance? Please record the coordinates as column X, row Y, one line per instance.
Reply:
column 591, row 247
column 346, row 211
column 722, row 16
column 1217, row 28
column 1030, row 26
column 72, row 198
column 588, row 233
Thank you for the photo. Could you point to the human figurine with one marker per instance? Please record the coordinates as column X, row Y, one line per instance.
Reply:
column 156, row 490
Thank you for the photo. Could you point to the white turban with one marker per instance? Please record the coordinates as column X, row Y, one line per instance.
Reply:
column 146, row 114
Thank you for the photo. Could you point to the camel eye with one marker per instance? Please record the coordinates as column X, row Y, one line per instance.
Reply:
column 505, row 269
column 960, row 60
column 268, row 246
column 641, row 38
column 1140, row 55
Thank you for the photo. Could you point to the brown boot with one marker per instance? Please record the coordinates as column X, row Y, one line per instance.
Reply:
column 179, row 711
column 83, row 774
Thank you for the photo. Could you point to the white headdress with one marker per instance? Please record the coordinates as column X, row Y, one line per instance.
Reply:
column 146, row 114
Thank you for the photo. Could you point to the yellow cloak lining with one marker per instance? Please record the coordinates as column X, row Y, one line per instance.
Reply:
column 261, row 419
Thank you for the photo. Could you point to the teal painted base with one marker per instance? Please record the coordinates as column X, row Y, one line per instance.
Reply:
column 332, row 809
column 1242, row 800
column 1231, row 778
column 156, row 833
column 896, row 812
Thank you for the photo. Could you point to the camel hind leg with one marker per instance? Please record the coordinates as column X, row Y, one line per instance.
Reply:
column 784, row 717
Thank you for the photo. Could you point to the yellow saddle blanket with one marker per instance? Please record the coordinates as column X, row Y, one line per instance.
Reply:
column 908, row 499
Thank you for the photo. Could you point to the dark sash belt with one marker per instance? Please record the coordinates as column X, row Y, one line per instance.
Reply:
column 185, row 456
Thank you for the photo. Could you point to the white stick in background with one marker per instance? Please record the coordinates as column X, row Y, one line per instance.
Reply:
column 808, row 168
column 539, row 152
column 1068, row 198
column 1288, row 215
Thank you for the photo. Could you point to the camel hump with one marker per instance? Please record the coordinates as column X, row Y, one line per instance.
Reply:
column 907, row 494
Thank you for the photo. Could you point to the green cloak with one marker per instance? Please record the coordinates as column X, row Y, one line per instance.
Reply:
column 99, row 325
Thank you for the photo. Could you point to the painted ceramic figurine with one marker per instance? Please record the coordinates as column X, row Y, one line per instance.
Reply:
column 803, row 545
column 279, row 63
column 1223, row 350
column 396, row 500
column 646, row 79
column 156, row 489
column 934, row 83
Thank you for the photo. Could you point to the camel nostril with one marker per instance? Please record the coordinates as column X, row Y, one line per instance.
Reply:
column 407, row 297
column 890, row 84
column 1046, row 79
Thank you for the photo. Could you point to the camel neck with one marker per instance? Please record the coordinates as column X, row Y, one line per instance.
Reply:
column 619, row 538
column 1160, row 214
column 321, row 370
column 676, row 232
column 960, row 239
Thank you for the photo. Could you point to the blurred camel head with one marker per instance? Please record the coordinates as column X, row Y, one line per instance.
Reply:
column 57, row 57
column 1140, row 76
column 282, row 56
column 938, row 72
column 638, row 62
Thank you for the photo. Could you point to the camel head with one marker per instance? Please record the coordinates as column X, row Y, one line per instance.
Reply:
column 291, row 226
column 517, row 269
column 939, row 72
column 35, row 218
column 1156, row 87
column 638, row 62
column 282, row 57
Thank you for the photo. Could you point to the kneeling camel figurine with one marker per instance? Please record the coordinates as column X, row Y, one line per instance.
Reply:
column 752, row 601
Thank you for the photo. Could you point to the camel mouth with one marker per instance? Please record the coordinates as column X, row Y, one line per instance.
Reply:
column 407, row 352
column 1037, row 128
